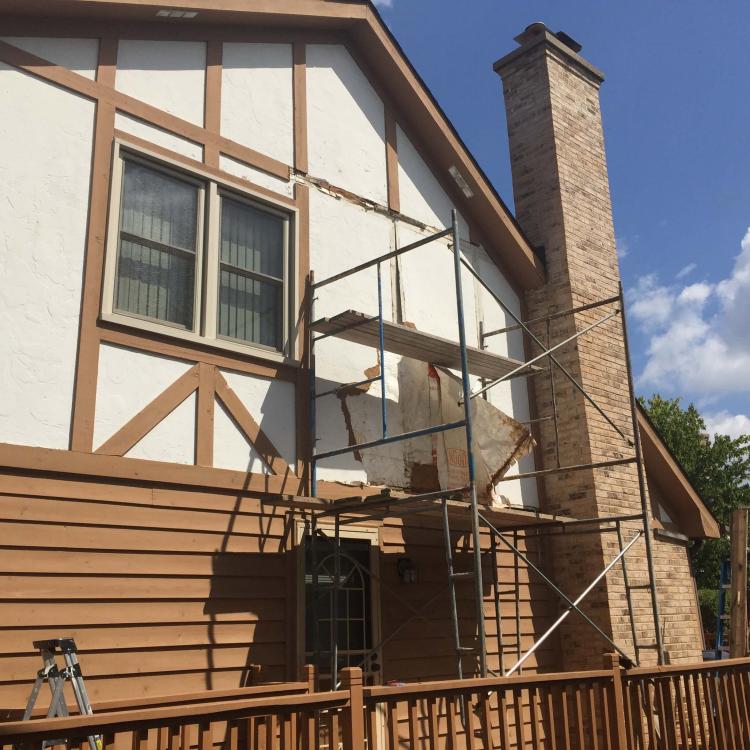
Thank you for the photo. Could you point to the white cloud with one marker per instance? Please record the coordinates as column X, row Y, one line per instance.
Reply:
column 724, row 423
column 384, row 3
column 651, row 304
column 698, row 333
column 685, row 270
column 623, row 247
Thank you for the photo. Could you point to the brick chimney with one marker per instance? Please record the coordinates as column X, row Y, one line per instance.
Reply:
column 562, row 201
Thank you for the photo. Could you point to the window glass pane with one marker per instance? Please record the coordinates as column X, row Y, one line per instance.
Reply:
column 155, row 283
column 251, row 239
column 156, row 257
column 249, row 309
column 158, row 207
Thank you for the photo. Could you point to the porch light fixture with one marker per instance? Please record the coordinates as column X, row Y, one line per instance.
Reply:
column 407, row 572
column 169, row 13
column 461, row 182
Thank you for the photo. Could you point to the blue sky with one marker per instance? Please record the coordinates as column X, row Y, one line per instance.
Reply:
column 676, row 108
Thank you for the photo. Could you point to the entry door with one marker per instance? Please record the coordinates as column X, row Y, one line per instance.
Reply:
column 356, row 631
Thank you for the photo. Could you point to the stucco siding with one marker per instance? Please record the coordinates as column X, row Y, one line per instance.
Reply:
column 44, row 188
column 346, row 123
column 167, row 75
column 158, row 137
column 78, row 55
column 257, row 105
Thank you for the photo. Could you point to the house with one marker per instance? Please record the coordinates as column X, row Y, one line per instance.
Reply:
column 175, row 178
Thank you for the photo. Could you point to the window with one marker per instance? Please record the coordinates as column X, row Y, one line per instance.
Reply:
column 189, row 257
column 251, row 274
column 158, row 248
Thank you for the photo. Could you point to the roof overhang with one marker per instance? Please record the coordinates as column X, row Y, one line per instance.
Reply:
column 360, row 21
column 693, row 517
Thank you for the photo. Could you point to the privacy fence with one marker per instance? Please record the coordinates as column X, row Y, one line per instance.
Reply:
column 688, row 707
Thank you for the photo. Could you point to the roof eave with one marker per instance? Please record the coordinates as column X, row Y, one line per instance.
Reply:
column 694, row 517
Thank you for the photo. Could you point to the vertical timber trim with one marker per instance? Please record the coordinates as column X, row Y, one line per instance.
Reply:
column 87, row 364
column 212, row 99
column 204, row 423
column 391, row 159
column 303, row 446
column 299, row 88
column 738, row 622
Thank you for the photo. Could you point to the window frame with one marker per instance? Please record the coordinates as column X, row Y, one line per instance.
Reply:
column 208, row 240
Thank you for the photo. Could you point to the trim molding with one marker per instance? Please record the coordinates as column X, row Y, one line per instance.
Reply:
column 204, row 420
column 299, row 93
column 106, row 93
column 391, row 159
column 87, row 363
column 203, row 168
column 151, row 414
column 212, row 98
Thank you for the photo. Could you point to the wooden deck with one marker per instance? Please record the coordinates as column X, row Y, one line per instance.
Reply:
column 408, row 342
column 694, row 706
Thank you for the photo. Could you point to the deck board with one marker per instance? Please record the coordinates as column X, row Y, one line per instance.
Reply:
column 409, row 342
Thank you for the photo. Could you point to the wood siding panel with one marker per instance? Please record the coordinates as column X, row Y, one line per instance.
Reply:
column 160, row 599
column 168, row 590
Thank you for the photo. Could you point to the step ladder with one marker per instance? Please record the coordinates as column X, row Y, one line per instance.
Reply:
column 56, row 677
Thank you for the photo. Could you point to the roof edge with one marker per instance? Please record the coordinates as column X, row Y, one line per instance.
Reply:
column 694, row 513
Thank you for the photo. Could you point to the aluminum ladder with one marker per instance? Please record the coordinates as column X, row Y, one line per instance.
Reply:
column 56, row 677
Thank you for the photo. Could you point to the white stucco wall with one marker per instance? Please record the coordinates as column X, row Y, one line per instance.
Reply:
column 79, row 55
column 512, row 396
column 172, row 440
column 345, row 122
column 343, row 235
column 45, row 167
column 167, row 75
column 271, row 404
column 257, row 104
column 420, row 194
column 158, row 136
column 129, row 380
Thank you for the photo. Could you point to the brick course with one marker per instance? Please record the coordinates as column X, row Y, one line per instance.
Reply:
column 562, row 201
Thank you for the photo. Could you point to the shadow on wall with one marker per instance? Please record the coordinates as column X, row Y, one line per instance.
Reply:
column 249, row 586
column 420, row 612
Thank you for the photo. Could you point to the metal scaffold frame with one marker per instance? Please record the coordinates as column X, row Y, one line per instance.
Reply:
column 378, row 507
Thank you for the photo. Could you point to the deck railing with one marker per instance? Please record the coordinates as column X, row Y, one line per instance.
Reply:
column 689, row 707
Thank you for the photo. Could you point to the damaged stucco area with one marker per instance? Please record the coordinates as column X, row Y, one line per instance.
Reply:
column 429, row 396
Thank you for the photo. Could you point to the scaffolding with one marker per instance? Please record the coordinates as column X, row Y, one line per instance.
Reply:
column 460, row 504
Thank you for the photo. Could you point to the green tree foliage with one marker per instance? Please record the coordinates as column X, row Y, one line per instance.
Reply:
column 717, row 466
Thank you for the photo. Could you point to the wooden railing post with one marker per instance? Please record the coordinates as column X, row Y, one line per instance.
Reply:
column 310, row 676
column 612, row 661
column 738, row 615
column 354, row 723
column 310, row 719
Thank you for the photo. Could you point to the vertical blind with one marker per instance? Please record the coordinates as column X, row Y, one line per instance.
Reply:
column 157, row 246
column 251, row 274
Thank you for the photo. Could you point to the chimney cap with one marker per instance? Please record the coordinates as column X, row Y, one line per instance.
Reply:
column 536, row 34
column 538, row 29
column 532, row 31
